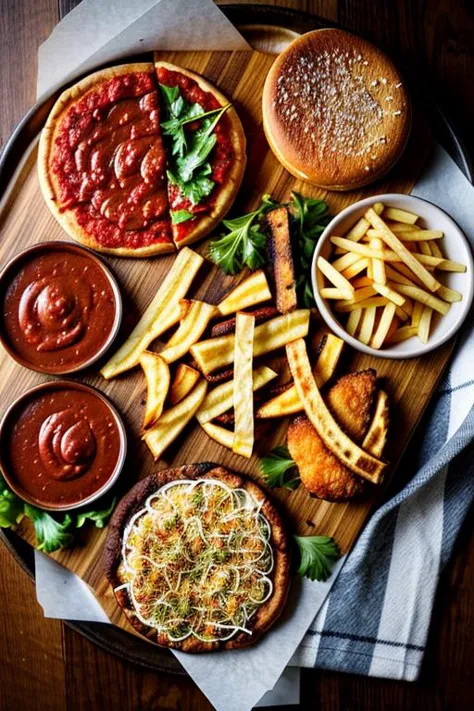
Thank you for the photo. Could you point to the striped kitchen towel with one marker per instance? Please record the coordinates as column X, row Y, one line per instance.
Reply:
column 376, row 617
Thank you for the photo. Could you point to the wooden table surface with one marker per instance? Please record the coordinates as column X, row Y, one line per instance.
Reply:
column 46, row 666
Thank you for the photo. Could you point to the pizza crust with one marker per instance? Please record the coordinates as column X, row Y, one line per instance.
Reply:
column 132, row 502
column 228, row 192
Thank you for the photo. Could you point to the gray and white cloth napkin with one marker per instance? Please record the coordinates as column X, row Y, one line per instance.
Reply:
column 376, row 618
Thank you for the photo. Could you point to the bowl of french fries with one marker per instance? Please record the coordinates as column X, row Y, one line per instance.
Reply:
column 393, row 276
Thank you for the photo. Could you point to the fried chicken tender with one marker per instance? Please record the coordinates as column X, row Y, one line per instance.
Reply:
column 351, row 401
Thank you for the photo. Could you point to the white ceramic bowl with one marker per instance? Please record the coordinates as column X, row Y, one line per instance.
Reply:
column 454, row 245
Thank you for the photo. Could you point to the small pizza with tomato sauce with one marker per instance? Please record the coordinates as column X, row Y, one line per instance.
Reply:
column 139, row 160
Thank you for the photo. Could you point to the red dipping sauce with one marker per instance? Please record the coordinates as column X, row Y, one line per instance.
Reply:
column 60, row 308
column 63, row 444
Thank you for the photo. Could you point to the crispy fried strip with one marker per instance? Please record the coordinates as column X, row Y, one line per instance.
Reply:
column 356, row 268
column 219, row 434
column 390, row 294
column 157, row 376
column 417, row 294
column 424, row 324
column 279, row 246
column 353, row 321
column 376, row 437
column 264, row 313
column 288, row 402
column 378, row 266
column 368, row 323
column 163, row 313
column 243, row 385
column 347, row 451
column 249, row 292
column 184, row 381
column 394, row 213
column 218, row 352
column 334, row 276
column 403, row 334
column 220, row 399
column 331, row 292
column 173, row 421
column 383, row 328
column 189, row 332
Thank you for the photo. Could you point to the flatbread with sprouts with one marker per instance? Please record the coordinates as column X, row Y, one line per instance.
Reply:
column 198, row 559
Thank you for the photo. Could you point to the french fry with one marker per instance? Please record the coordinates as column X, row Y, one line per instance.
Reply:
column 416, row 314
column 402, row 334
column 394, row 213
column 251, row 291
column 401, row 313
column 413, row 235
column 443, row 265
column 353, row 321
column 356, row 268
column 401, row 226
column 362, row 294
column 383, row 327
column 334, row 276
column 392, row 241
column 394, row 325
column 376, row 437
column 330, row 292
column 423, row 247
column 345, row 261
column 345, row 307
column 243, row 385
column 424, row 324
column 189, row 332
column 288, row 402
column 389, row 294
column 162, row 313
column 451, row 295
column 417, row 294
column 173, row 421
column 347, row 451
column 220, row 399
column 368, row 322
column 281, row 257
column 361, row 281
column 378, row 267
column 356, row 233
column 404, row 271
column 357, row 248
column 436, row 250
column 218, row 352
column 264, row 313
column 219, row 434
column 184, row 381
column 157, row 374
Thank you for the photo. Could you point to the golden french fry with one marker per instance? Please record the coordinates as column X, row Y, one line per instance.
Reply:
column 219, row 434
column 368, row 323
column 362, row 294
column 420, row 235
column 218, row 352
column 356, row 268
column 345, row 307
column 334, row 276
column 353, row 321
column 220, row 399
column 436, row 249
column 288, row 402
column 251, row 291
column 402, row 334
column 394, row 213
column 173, row 421
column 424, row 324
column 392, row 241
column 356, row 233
column 389, row 293
column 357, row 248
column 162, row 313
column 361, row 281
column 451, row 295
column 157, row 376
column 376, row 437
column 345, row 261
column 401, row 313
column 243, row 385
column 401, row 226
column 184, row 381
column 417, row 294
column 378, row 267
column 416, row 314
column 423, row 247
column 347, row 451
column 330, row 292
column 189, row 332
column 383, row 328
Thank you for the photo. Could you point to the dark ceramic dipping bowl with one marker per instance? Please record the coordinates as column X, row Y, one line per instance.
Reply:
column 62, row 445
column 60, row 308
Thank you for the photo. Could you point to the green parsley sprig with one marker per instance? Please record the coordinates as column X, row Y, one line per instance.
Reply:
column 317, row 556
column 276, row 468
column 245, row 243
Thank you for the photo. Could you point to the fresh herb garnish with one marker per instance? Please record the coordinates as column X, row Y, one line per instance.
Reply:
column 310, row 217
column 51, row 534
column 245, row 243
column 189, row 169
column 275, row 468
column 317, row 556
column 178, row 216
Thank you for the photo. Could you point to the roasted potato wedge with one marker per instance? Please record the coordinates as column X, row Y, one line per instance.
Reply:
column 184, row 381
column 157, row 375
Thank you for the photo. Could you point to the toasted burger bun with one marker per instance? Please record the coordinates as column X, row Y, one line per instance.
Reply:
column 335, row 110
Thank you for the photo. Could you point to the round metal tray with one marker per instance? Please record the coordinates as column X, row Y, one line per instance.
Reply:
column 253, row 21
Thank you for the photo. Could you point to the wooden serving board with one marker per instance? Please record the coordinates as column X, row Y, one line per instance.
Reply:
column 25, row 220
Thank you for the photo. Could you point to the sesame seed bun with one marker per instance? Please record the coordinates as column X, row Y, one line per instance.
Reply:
column 335, row 110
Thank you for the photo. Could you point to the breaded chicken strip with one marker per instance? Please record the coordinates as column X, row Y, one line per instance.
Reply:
column 351, row 401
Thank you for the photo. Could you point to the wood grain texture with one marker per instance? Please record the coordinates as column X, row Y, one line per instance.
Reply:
column 438, row 34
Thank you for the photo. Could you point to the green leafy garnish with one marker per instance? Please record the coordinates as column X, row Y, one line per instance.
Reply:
column 317, row 556
column 178, row 216
column 189, row 168
column 11, row 507
column 245, row 243
column 275, row 468
column 50, row 534
column 98, row 517
column 310, row 217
